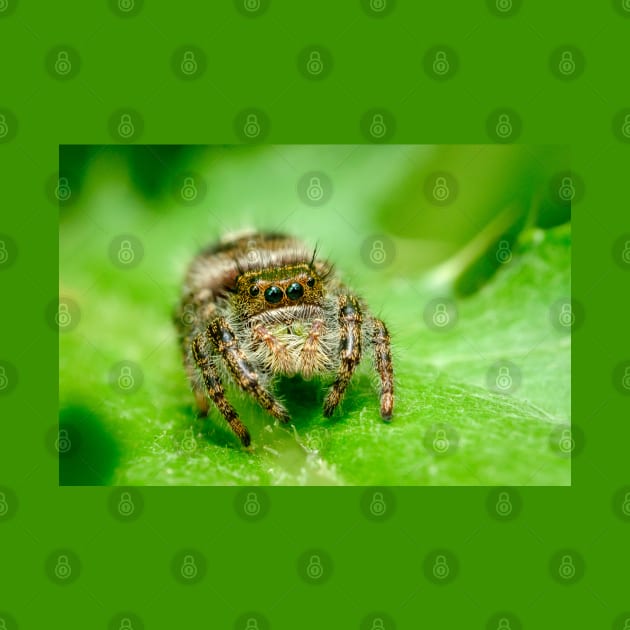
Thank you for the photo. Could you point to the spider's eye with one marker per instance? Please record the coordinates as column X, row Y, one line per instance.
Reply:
column 295, row 291
column 273, row 294
column 254, row 290
column 310, row 282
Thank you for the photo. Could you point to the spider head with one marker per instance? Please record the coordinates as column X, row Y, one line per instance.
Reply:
column 289, row 285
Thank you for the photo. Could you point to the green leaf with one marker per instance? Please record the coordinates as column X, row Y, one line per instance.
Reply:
column 150, row 434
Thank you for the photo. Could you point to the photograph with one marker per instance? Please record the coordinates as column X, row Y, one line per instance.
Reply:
column 348, row 315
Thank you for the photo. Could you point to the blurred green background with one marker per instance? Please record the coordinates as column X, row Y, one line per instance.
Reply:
column 464, row 251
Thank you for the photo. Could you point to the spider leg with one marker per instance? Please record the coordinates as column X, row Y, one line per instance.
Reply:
column 383, row 365
column 350, row 347
column 310, row 349
column 278, row 350
column 202, row 352
column 226, row 344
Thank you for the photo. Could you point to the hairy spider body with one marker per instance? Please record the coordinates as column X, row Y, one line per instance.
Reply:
column 259, row 305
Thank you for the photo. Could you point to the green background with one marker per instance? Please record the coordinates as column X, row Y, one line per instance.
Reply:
column 123, row 566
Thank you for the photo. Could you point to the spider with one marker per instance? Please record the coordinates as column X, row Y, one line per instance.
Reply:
column 259, row 305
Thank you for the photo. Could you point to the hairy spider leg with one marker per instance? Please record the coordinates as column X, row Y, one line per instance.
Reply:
column 279, row 350
column 226, row 344
column 350, row 348
column 202, row 351
column 383, row 365
column 310, row 348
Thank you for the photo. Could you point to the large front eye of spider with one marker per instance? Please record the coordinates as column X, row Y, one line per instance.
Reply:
column 273, row 294
column 295, row 291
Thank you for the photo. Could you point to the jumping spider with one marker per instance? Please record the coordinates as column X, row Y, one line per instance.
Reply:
column 259, row 305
